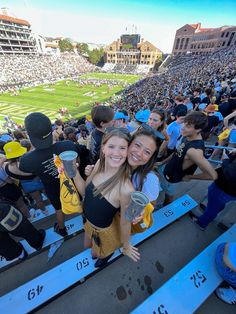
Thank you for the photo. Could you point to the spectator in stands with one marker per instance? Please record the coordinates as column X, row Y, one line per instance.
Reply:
column 40, row 161
column 212, row 121
column 225, row 260
column 10, row 191
column 232, row 101
column 57, row 133
column 29, row 183
column 83, row 135
column 26, row 143
column 142, row 154
column 157, row 120
column 179, row 105
column 188, row 155
column 196, row 100
column 174, row 131
column 19, row 135
column 102, row 117
column 208, row 95
column 107, row 194
column 69, row 133
column 120, row 120
column 220, row 192
column 12, row 222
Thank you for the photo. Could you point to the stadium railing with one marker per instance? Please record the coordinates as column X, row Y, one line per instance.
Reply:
column 36, row 292
column 191, row 286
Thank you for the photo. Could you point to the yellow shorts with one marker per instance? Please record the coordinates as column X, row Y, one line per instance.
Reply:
column 106, row 240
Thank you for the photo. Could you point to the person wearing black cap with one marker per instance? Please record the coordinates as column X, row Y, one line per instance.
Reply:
column 12, row 222
column 40, row 161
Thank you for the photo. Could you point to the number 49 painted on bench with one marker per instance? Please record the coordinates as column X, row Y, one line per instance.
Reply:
column 34, row 292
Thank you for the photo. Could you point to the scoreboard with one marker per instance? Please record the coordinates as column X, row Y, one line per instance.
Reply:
column 132, row 40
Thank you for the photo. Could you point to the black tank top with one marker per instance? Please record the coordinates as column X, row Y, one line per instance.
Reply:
column 97, row 209
column 173, row 170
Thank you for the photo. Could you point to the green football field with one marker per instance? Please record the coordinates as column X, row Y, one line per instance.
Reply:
column 48, row 99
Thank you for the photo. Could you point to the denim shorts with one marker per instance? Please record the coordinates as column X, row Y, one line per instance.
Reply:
column 224, row 271
column 168, row 188
column 30, row 186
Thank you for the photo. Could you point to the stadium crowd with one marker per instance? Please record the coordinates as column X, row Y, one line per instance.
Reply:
column 34, row 70
column 152, row 137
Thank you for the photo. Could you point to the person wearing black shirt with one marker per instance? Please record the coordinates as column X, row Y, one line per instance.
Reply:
column 207, row 99
column 232, row 102
column 189, row 154
column 12, row 222
column 102, row 118
column 40, row 161
column 196, row 100
column 179, row 100
column 212, row 121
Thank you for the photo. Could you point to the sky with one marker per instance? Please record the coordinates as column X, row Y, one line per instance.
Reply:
column 103, row 21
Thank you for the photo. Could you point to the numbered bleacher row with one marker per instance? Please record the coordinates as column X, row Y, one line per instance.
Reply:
column 191, row 286
column 46, row 286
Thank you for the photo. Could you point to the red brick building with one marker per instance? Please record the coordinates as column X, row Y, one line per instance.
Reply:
column 192, row 38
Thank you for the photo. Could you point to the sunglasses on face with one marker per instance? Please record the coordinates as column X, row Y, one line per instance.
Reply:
column 154, row 132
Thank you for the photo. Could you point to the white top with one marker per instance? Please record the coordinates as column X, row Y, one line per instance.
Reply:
column 151, row 185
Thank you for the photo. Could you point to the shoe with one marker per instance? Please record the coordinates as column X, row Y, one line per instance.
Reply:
column 102, row 262
column 23, row 256
column 227, row 295
column 202, row 206
column 45, row 212
column 32, row 214
column 62, row 232
column 194, row 219
column 43, row 235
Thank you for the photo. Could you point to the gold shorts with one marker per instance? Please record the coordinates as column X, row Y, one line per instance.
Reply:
column 106, row 240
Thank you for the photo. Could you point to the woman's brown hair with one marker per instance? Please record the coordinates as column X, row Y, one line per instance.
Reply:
column 121, row 175
column 162, row 114
column 142, row 171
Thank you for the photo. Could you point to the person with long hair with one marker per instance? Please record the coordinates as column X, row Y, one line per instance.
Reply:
column 157, row 120
column 107, row 196
column 142, row 154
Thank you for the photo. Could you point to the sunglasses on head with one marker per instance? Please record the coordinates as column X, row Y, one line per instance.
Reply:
column 112, row 128
column 154, row 132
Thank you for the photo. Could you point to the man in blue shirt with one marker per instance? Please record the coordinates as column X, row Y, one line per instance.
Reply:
column 173, row 130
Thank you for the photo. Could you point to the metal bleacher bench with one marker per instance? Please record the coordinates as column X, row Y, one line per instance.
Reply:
column 191, row 286
column 36, row 292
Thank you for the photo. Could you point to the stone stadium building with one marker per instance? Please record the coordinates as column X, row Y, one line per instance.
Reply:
column 15, row 35
column 192, row 38
column 131, row 50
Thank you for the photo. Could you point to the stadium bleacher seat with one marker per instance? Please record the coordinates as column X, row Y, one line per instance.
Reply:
column 191, row 286
column 46, row 286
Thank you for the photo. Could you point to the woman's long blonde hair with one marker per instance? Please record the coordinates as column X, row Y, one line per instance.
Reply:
column 121, row 175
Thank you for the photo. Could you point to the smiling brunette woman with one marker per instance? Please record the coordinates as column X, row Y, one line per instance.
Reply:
column 142, row 155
